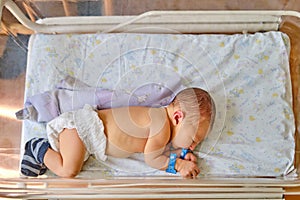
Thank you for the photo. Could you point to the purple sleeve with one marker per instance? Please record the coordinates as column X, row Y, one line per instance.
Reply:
column 46, row 106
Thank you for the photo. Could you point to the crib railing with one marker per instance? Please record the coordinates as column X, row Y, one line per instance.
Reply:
column 144, row 189
column 157, row 21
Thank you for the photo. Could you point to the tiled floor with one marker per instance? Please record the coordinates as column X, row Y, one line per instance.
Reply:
column 13, row 60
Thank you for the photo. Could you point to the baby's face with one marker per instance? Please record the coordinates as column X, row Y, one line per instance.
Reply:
column 188, row 136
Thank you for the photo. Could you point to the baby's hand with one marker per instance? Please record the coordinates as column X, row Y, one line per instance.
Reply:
column 190, row 157
column 187, row 169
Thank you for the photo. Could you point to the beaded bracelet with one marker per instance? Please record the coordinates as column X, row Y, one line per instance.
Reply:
column 171, row 166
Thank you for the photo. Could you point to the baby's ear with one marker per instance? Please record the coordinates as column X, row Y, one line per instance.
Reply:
column 178, row 116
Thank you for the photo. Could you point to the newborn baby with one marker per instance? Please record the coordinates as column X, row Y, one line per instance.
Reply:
column 167, row 136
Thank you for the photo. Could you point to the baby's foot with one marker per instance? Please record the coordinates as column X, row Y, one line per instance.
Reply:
column 33, row 159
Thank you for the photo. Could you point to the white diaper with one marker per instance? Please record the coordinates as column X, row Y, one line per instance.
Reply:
column 89, row 127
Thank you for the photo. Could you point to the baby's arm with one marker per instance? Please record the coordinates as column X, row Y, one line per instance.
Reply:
column 155, row 149
column 154, row 155
column 188, row 156
column 156, row 159
column 187, row 169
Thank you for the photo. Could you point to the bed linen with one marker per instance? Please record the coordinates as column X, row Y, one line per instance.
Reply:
column 246, row 74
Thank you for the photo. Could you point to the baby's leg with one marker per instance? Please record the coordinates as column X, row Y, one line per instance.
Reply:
column 68, row 162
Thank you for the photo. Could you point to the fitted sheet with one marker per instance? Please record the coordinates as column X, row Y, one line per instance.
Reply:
column 246, row 74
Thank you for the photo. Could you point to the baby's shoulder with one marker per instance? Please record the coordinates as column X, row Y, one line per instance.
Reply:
column 159, row 122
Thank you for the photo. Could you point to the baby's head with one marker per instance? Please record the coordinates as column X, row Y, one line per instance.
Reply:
column 193, row 116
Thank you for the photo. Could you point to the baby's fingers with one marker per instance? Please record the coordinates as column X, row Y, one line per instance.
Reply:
column 191, row 157
column 196, row 169
column 193, row 174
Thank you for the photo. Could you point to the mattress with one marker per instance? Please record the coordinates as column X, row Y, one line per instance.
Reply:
column 246, row 74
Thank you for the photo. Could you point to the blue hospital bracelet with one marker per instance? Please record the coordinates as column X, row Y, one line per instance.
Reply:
column 184, row 152
column 171, row 166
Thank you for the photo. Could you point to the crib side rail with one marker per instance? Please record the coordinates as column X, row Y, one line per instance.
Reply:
column 157, row 21
column 135, row 189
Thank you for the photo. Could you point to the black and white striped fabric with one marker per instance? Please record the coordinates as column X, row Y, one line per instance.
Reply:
column 33, row 159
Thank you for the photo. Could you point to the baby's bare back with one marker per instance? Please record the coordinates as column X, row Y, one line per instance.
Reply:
column 127, row 129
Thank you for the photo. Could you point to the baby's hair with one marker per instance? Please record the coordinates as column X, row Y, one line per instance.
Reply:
column 195, row 103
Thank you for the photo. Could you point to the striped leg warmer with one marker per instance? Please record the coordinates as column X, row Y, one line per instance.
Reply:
column 33, row 159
